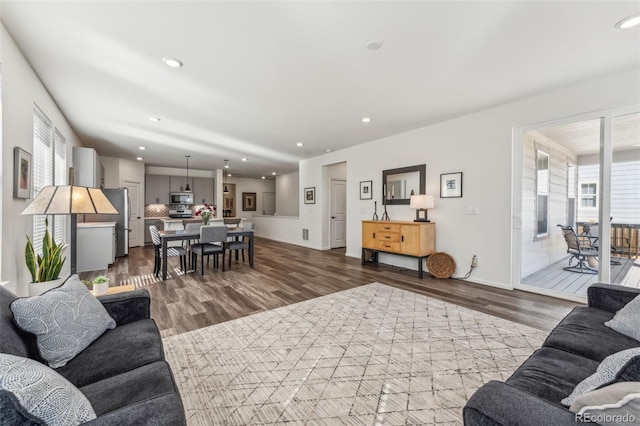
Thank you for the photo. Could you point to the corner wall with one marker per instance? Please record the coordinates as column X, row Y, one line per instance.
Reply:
column 21, row 88
column 480, row 146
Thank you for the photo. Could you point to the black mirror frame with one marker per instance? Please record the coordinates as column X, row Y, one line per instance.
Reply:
column 422, row 168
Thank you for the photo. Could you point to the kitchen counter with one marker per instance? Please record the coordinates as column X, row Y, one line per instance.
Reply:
column 96, row 224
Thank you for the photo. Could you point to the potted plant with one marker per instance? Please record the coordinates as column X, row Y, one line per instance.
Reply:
column 45, row 268
column 100, row 285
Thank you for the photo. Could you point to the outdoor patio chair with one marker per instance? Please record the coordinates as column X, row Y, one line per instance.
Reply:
column 581, row 253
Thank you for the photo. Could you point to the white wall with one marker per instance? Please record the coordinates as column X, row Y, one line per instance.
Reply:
column 480, row 146
column 250, row 185
column 21, row 88
column 288, row 194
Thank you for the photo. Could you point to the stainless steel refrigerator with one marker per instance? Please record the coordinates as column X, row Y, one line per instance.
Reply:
column 119, row 197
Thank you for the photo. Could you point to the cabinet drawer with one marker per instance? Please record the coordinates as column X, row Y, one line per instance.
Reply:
column 388, row 227
column 387, row 237
column 387, row 246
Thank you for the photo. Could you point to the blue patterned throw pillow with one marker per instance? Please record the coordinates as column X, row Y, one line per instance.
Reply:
column 627, row 320
column 43, row 393
column 65, row 320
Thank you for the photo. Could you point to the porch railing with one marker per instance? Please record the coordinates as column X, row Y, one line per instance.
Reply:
column 625, row 237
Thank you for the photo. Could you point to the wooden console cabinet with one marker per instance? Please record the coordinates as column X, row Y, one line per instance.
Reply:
column 413, row 239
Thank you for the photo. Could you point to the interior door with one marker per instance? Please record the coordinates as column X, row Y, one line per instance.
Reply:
column 135, row 216
column 338, row 213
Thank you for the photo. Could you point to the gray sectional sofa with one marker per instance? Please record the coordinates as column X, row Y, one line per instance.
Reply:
column 123, row 373
column 572, row 352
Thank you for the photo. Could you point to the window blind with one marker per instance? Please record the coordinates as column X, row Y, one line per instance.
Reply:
column 60, row 178
column 42, row 168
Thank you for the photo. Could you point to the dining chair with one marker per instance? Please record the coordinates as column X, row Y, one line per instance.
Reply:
column 211, row 242
column 171, row 252
column 191, row 227
column 240, row 245
column 232, row 223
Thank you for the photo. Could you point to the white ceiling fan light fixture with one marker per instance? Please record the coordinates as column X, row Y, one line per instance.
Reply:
column 173, row 62
column 629, row 22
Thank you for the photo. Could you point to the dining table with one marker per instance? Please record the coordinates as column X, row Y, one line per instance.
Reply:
column 184, row 235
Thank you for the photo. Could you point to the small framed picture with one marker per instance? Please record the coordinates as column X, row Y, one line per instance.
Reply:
column 21, row 173
column 249, row 201
column 310, row 195
column 451, row 185
column 366, row 192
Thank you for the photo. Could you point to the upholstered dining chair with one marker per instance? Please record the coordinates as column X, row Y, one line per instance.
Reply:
column 191, row 227
column 171, row 252
column 241, row 245
column 212, row 239
column 232, row 222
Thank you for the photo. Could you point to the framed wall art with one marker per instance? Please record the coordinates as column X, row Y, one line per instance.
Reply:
column 451, row 185
column 249, row 201
column 21, row 173
column 310, row 195
column 366, row 190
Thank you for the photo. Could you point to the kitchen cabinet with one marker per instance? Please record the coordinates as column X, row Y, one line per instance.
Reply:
column 203, row 191
column 157, row 189
column 87, row 168
column 179, row 182
column 147, row 223
column 96, row 246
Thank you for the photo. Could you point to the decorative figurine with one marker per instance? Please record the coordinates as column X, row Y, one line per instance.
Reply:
column 375, row 210
column 385, row 215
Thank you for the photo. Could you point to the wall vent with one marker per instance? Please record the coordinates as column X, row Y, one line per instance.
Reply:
column 305, row 234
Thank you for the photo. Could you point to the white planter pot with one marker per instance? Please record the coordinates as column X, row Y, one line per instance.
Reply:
column 36, row 289
column 100, row 289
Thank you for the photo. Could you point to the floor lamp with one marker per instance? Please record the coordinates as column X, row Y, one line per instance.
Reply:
column 70, row 200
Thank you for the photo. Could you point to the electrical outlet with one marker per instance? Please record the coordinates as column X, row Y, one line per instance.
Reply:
column 474, row 261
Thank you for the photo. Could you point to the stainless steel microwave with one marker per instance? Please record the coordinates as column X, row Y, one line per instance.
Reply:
column 181, row 198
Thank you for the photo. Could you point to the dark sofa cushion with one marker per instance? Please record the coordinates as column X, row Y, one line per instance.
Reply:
column 552, row 374
column 140, row 384
column 14, row 341
column 117, row 351
column 583, row 333
column 165, row 410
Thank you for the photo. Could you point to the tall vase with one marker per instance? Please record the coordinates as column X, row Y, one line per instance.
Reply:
column 205, row 220
column 36, row 289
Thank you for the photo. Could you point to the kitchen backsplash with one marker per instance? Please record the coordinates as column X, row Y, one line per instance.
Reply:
column 156, row 210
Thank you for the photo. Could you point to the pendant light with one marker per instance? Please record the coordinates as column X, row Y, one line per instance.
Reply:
column 187, row 188
column 224, row 177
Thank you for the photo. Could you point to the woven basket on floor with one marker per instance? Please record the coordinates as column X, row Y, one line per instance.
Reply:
column 441, row 265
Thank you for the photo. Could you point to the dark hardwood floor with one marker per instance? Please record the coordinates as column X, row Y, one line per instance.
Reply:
column 286, row 274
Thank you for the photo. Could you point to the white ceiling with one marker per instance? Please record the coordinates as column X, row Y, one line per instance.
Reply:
column 261, row 76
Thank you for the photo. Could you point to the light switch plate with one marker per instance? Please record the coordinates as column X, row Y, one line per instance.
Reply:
column 473, row 210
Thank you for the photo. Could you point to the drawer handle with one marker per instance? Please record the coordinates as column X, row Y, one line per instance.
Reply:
column 387, row 237
column 387, row 227
column 387, row 245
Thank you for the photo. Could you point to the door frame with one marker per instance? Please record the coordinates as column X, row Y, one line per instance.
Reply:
column 606, row 117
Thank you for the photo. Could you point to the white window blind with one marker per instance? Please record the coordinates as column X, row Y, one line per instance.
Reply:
column 60, row 178
column 42, row 168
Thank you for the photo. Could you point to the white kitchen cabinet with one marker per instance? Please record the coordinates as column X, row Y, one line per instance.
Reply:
column 96, row 246
column 87, row 168
column 178, row 183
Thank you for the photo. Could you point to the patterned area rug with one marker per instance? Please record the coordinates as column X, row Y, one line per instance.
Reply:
column 373, row 355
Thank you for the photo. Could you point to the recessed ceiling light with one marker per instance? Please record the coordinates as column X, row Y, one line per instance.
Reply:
column 329, row 150
column 273, row 173
column 366, row 119
column 173, row 62
column 139, row 158
column 142, row 148
column 228, row 174
column 374, row 44
column 263, row 177
column 155, row 118
column 244, row 159
column 300, row 144
column 629, row 22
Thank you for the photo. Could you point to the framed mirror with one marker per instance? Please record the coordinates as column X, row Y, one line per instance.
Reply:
column 399, row 184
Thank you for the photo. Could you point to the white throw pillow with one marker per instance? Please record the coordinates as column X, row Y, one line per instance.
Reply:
column 65, row 320
column 606, row 373
column 615, row 404
column 627, row 320
column 44, row 393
